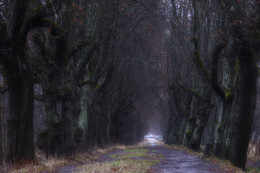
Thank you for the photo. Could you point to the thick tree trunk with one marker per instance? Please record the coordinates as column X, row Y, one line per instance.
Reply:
column 50, row 140
column 71, row 134
column 20, row 120
column 62, row 106
column 98, row 120
column 244, row 106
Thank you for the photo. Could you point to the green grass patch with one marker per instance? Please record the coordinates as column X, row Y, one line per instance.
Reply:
column 135, row 150
column 131, row 153
column 158, row 156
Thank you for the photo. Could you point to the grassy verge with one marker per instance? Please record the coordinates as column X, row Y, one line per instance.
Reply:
column 50, row 165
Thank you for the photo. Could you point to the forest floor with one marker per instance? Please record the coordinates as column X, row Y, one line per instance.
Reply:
column 147, row 157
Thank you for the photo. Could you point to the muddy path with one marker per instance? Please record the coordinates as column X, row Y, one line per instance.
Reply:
column 164, row 160
column 180, row 161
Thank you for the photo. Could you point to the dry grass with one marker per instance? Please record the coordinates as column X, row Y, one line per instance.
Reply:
column 120, row 166
column 51, row 164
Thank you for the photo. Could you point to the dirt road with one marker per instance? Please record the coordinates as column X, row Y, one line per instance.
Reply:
column 150, row 157
column 180, row 161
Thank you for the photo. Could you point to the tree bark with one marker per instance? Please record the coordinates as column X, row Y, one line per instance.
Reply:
column 20, row 120
column 244, row 106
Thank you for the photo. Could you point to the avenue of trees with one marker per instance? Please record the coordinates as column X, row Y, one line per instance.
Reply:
column 86, row 58
column 106, row 71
